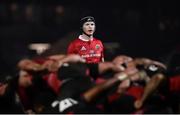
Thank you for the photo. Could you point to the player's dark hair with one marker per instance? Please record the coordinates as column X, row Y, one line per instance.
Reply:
column 86, row 19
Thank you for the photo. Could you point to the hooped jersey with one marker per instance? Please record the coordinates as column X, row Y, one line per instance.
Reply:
column 91, row 50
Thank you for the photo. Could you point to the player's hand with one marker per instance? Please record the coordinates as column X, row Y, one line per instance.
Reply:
column 138, row 104
column 117, row 68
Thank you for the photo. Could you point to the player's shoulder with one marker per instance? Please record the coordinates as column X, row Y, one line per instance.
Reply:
column 75, row 41
column 97, row 40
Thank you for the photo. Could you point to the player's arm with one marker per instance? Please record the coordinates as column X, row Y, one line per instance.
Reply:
column 92, row 94
column 102, row 53
column 146, row 62
column 29, row 65
column 102, row 59
column 109, row 66
column 151, row 86
column 72, row 58
column 56, row 57
column 56, row 61
column 102, row 68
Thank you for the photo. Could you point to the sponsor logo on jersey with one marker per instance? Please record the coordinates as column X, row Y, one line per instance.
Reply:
column 97, row 46
column 91, row 51
column 90, row 55
column 83, row 48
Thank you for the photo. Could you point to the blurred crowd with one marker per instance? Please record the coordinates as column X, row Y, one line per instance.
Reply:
column 21, row 13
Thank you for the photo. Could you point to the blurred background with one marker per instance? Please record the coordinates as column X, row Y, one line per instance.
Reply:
column 139, row 28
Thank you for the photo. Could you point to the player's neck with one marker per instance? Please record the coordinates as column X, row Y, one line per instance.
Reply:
column 86, row 37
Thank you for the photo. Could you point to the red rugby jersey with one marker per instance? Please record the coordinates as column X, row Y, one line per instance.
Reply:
column 91, row 50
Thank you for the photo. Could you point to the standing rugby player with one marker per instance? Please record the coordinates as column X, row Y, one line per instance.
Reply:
column 88, row 47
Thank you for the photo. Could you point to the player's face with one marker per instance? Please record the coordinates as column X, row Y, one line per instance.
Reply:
column 89, row 28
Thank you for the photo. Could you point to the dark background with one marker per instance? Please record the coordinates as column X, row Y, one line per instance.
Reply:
column 142, row 28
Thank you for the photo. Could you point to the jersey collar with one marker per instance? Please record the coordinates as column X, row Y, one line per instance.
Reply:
column 86, row 40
